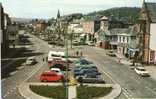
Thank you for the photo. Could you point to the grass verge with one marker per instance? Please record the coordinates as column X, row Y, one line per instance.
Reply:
column 86, row 92
column 55, row 92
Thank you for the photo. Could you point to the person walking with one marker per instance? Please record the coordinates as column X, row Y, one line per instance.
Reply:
column 77, row 53
column 43, row 59
column 46, row 59
column 81, row 53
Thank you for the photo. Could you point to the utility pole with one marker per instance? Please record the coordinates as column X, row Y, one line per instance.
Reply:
column 67, row 65
column 71, row 38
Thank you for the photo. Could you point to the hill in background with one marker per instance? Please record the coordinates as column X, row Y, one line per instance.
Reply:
column 130, row 13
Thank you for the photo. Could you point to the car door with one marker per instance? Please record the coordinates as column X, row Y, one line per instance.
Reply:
column 55, row 77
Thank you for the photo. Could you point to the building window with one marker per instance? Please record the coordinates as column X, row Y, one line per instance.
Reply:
column 123, row 39
column 127, row 39
column 120, row 39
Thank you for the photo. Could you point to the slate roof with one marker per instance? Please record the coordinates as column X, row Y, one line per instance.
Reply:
column 119, row 31
column 151, row 7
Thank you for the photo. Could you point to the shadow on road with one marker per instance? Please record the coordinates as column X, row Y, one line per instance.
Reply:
column 19, row 58
column 13, row 67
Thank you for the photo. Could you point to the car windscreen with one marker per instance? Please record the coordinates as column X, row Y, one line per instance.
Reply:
column 141, row 69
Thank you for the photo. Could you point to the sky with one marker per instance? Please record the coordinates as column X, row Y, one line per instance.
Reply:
column 49, row 8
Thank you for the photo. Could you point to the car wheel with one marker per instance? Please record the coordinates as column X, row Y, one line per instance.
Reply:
column 44, row 80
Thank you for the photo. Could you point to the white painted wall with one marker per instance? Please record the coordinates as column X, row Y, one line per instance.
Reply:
column 153, row 37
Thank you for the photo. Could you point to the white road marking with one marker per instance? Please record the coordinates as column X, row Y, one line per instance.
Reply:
column 14, row 72
column 21, row 67
column 126, row 93
column 150, row 90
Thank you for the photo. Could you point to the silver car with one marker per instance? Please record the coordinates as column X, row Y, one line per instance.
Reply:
column 31, row 61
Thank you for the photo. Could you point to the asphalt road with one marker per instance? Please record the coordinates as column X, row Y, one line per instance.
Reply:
column 22, row 72
column 133, row 86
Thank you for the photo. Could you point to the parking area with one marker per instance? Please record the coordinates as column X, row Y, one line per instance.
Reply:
column 81, row 69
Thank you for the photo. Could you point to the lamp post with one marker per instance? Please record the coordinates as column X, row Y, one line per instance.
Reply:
column 67, row 65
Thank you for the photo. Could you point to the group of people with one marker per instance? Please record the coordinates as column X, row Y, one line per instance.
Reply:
column 45, row 59
column 79, row 53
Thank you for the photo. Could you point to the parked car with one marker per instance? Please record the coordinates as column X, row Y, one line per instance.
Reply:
column 81, row 72
column 112, row 54
column 91, row 78
column 60, row 66
column 31, row 61
column 90, row 43
column 88, row 67
column 141, row 71
column 75, row 42
column 82, row 61
column 57, row 70
column 51, row 76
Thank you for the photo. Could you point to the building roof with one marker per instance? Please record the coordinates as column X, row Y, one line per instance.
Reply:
column 104, row 18
column 151, row 7
column 131, row 31
column 119, row 31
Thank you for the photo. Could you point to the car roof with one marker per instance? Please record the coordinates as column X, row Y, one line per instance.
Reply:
column 55, row 69
column 33, row 57
column 141, row 67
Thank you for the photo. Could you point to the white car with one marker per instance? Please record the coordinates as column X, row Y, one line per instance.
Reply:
column 90, row 43
column 141, row 71
column 57, row 70
column 31, row 61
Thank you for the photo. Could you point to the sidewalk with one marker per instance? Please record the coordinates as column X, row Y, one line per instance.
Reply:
column 72, row 92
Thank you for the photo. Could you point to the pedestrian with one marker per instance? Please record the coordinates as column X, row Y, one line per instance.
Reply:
column 13, row 45
column 119, row 60
column 46, row 59
column 81, row 53
column 77, row 53
column 43, row 59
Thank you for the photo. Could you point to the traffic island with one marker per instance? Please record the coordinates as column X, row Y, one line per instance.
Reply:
column 90, row 92
column 55, row 92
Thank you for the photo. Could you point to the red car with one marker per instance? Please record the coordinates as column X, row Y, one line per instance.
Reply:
column 51, row 76
column 60, row 66
column 55, row 61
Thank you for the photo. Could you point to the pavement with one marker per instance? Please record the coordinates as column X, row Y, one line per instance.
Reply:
column 72, row 92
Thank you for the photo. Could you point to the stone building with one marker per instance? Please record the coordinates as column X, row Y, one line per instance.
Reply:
column 91, row 26
column 148, row 33
column 40, row 26
column 3, row 31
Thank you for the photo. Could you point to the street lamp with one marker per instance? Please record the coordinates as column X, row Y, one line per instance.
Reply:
column 67, row 65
